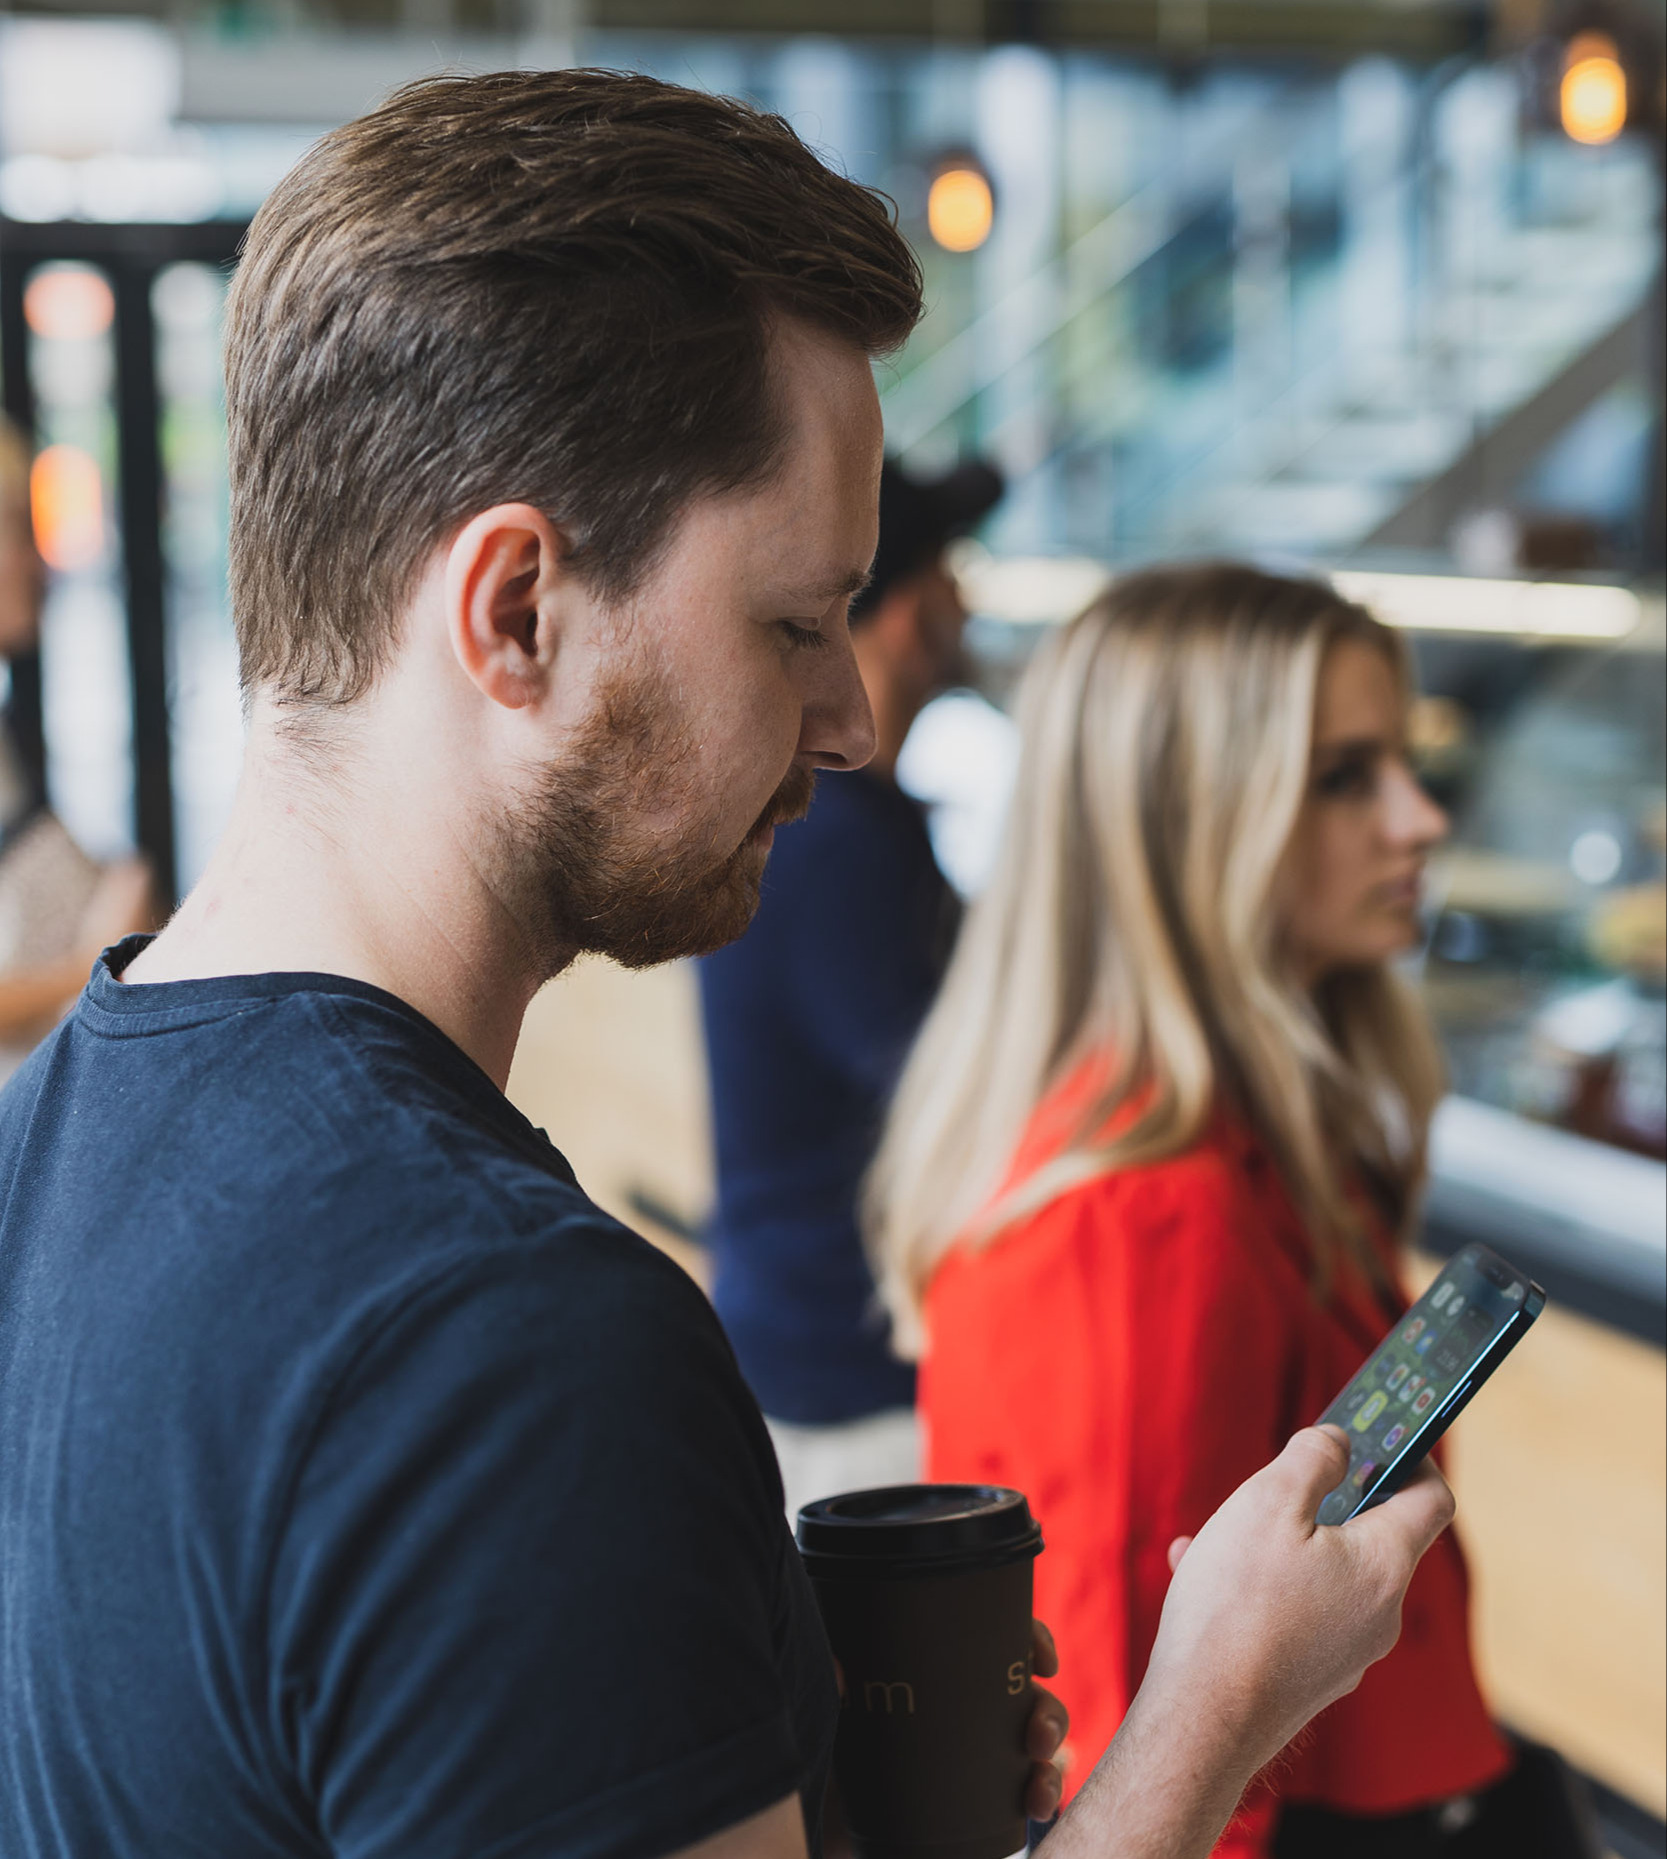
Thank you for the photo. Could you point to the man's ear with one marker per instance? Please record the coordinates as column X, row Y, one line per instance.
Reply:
column 505, row 586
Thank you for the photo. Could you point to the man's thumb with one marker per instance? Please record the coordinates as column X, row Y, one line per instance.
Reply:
column 1315, row 1460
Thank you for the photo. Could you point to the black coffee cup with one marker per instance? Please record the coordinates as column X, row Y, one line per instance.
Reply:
column 925, row 1591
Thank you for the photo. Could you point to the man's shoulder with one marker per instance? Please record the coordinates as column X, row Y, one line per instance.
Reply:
column 308, row 1166
column 578, row 1314
column 450, row 1197
column 578, row 1355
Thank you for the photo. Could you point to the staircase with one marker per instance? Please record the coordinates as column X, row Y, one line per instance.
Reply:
column 1368, row 307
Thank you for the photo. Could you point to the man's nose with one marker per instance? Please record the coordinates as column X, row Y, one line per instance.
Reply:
column 838, row 726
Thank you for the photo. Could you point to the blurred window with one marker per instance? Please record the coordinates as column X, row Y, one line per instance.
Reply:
column 85, row 684
column 187, row 301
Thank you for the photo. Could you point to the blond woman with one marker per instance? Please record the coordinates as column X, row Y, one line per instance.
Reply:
column 1143, row 1188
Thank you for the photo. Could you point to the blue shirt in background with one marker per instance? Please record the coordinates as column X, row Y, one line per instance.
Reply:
column 809, row 1018
column 364, row 1490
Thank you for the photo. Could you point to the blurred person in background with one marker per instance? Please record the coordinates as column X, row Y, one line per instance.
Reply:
column 808, row 1019
column 1151, row 1166
column 58, row 907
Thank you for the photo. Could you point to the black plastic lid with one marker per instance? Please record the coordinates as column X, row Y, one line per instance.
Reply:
column 917, row 1529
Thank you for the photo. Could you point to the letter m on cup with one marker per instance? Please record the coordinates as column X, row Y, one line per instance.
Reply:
column 887, row 1693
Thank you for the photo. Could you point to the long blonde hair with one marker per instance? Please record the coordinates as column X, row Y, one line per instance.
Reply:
column 1166, row 742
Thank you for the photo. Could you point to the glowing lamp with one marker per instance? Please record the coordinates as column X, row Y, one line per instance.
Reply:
column 1592, row 99
column 68, row 303
column 960, row 208
column 66, row 505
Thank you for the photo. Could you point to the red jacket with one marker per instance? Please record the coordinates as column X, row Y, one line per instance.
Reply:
column 1127, row 1356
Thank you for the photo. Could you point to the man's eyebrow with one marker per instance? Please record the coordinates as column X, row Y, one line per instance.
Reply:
column 850, row 584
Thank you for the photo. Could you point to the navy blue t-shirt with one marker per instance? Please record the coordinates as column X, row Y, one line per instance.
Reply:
column 364, row 1490
column 809, row 1017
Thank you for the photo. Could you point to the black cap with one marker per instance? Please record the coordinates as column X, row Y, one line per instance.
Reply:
column 918, row 516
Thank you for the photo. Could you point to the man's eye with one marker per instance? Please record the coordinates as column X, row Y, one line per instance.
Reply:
column 807, row 637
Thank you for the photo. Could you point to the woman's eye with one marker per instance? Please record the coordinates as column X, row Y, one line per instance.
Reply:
column 1347, row 781
column 799, row 636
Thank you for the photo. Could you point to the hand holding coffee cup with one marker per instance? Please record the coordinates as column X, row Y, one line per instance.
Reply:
column 1049, row 1725
column 926, row 1594
column 1045, row 1733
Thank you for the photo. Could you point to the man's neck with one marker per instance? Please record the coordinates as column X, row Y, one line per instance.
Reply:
column 382, row 887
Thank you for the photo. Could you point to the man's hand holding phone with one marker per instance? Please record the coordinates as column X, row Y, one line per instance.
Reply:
column 1285, row 1613
column 1270, row 1617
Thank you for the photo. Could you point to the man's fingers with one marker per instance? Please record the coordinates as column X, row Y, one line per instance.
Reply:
column 1049, row 1721
column 1177, row 1549
column 1415, row 1516
column 1044, row 1654
column 1047, row 1784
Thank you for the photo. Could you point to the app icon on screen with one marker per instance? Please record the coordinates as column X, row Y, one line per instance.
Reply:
column 1423, row 1343
column 1455, row 1307
column 1447, row 1358
column 1440, row 1295
column 1397, row 1375
column 1412, row 1387
column 1424, row 1397
column 1370, row 1411
column 1514, row 1293
column 1413, row 1331
column 1356, row 1396
column 1393, row 1437
column 1362, row 1472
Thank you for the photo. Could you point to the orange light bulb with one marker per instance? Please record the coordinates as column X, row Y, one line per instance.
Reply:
column 68, row 303
column 960, row 209
column 66, row 505
column 1592, row 99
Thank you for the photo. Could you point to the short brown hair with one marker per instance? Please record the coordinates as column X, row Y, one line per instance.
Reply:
column 542, row 287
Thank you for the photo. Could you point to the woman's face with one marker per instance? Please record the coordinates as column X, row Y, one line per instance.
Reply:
column 1352, row 877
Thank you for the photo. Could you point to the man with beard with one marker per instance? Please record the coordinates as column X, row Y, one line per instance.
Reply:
column 808, row 1019
column 363, row 1490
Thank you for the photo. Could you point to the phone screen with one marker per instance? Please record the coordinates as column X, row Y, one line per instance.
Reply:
column 1424, row 1372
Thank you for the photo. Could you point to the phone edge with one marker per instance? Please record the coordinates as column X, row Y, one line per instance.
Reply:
column 1522, row 1320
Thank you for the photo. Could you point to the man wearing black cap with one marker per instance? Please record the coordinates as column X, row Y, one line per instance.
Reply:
column 808, row 1019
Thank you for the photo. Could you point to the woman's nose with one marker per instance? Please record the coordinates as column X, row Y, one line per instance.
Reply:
column 1413, row 818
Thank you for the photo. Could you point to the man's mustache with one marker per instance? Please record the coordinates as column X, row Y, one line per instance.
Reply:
column 791, row 801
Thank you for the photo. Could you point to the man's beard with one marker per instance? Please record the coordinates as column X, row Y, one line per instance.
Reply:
column 583, row 870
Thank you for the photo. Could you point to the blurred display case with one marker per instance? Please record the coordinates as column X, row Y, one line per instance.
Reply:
column 1546, row 965
column 1547, row 961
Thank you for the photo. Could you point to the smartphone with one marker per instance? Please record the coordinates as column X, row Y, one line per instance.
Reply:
column 1422, row 1374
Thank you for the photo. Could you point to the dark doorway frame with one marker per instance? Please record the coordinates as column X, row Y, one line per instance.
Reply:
column 130, row 257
